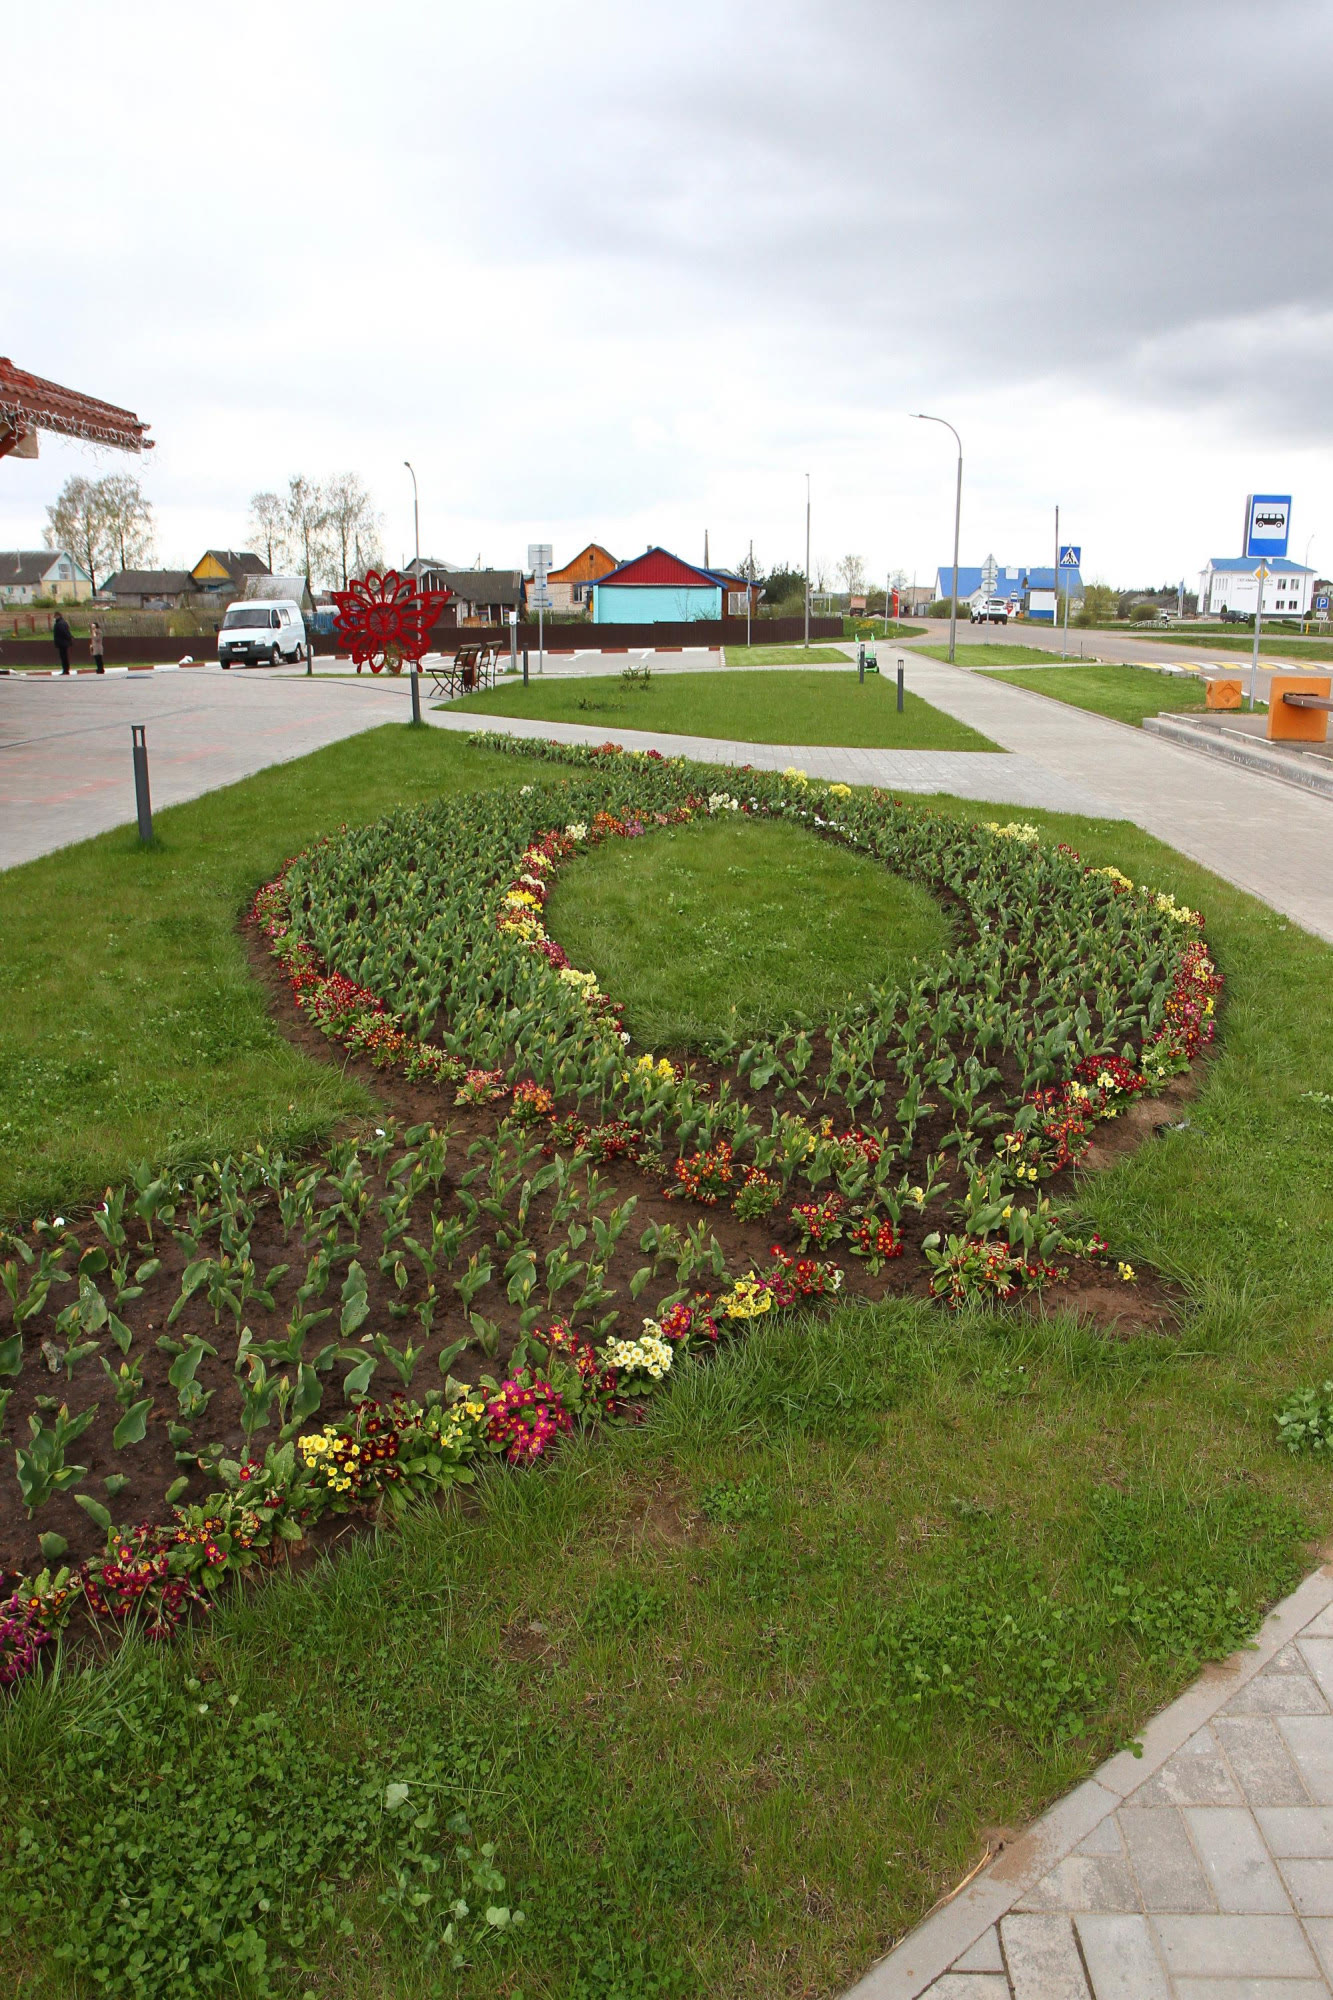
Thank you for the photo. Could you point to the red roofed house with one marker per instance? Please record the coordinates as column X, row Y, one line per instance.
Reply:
column 571, row 586
column 657, row 588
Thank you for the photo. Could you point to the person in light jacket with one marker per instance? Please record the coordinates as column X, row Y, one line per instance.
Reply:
column 62, row 639
column 97, row 645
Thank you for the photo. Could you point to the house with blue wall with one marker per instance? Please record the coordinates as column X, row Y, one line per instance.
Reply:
column 1029, row 589
column 657, row 588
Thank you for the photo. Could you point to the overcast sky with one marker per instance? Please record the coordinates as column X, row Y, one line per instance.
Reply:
column 628, row 271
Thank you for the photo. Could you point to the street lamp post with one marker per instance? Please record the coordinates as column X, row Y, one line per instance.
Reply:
column 807, row 558
column 416, row 536
column 416, row 520
column 922, row 418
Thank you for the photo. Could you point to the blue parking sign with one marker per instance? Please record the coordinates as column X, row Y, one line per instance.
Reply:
column 1321, row 603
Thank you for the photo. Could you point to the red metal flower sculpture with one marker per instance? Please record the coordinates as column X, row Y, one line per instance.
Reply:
column 383, row 619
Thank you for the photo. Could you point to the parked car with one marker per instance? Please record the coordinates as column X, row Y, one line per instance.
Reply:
column 259, row 632
column 1232, row 617
column 990, row 611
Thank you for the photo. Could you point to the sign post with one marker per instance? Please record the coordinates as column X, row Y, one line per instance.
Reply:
column 1258, row 627
column 539, row 562
column 1071, row 557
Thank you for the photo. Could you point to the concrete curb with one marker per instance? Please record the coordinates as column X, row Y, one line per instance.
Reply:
column 1290, row 768
column 936, row 1943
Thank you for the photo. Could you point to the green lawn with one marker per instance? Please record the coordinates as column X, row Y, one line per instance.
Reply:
column 1292, row 647
column 684, row 934
column 997, row 655
column 132, row 1026
column 1126, row 694
column 748, row 707
column 785, row 656
column 734, row 1693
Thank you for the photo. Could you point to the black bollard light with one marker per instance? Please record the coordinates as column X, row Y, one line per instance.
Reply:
column 143, row 805
column 901, row 671
column 525, row 666
column 416, row 696
column 861, row 665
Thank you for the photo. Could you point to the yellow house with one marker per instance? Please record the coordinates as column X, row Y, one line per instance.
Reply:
column 226, row 569
column 27, row 575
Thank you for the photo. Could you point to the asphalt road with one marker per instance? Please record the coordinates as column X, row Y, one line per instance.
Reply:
column 1153, row 649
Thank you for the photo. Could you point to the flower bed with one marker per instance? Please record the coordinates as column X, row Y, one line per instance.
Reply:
column 237, row 1358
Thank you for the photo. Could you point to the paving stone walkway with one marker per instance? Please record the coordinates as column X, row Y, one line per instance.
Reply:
column 969, row 774
column 65, row 770
column 1202, row 1870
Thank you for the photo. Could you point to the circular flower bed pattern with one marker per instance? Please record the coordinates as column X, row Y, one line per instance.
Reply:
column 555, row 1217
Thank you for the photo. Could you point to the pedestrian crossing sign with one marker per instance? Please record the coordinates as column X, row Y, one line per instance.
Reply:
column 1071, row 555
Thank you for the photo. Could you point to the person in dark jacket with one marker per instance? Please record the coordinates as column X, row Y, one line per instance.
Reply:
column 63, row 639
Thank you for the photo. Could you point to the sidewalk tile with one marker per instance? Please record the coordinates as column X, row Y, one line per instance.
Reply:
column 1278, row 1694
column 1319, row 1930
column 1318, row 1656
column 1121, row 1958
column 984, row 1956
column 1043, row 1958
column 1230, row 1947
column 969, row 1986
column 1236, row 1861
column 1284, row 1686
column 1251, row 1989
column 1085, row 1882
column 1104, row 1839
column 1297, row 1830
column 1311, row 1886
column 1165, row 1863
column 1320, row 1627
column 1258, row 1756
column 1196, row 1776
column 1309, row 1738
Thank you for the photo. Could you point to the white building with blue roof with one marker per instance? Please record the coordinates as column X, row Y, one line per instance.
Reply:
column 1231, row 583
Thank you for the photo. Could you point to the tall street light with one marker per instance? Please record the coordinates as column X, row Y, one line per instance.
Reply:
column 416, row 520
column 807, row 558
column 922, row 418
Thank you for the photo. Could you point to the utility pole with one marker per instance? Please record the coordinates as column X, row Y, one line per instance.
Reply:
column 1055, row 573
column 807, row 558
column 749, row 591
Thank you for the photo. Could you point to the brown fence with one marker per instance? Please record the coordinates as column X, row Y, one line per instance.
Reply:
column 123, row 650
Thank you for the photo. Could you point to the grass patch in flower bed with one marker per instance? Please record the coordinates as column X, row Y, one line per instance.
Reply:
column 734, row 925
column 1126, row 694
column 748, row 706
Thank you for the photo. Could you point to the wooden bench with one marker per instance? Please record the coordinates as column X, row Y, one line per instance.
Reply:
column 472, row 666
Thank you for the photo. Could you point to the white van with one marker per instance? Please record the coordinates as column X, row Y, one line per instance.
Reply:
column 259, row 632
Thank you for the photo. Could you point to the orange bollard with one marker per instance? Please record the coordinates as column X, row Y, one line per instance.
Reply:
column 1297, row 725
column 1224, row 694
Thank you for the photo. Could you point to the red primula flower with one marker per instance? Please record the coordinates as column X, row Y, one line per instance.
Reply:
column 383, row 619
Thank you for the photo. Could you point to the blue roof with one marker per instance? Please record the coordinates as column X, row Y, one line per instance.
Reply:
column 1247, row 565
